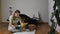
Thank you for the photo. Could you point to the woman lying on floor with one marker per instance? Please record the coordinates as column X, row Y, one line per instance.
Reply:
column 14, row 19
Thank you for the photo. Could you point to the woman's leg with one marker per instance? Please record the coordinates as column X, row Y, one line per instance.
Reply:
column 12, row 29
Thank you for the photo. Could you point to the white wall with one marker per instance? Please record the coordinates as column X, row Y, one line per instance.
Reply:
column 28, row 7
column 51, row 3
column 50, row 6
column 42, row 7
column 5, row 10
column 25, row 6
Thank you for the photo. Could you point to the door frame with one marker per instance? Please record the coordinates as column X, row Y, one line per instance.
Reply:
column 0, row 12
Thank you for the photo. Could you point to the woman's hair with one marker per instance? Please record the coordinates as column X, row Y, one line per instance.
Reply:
column 17, row 11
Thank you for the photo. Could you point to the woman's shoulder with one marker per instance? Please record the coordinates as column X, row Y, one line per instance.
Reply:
column 10, row 16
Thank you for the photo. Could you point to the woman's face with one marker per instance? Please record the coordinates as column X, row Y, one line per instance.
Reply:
column 16, row 14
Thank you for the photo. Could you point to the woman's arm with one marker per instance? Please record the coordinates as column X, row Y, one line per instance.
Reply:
column 10, row 24
column 11, row 21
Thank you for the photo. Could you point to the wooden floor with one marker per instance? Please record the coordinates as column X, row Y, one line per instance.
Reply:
column 43, row 29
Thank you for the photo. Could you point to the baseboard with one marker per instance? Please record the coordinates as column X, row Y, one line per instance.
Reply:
column 57, row 32
column 4, row 22
column 44, row 23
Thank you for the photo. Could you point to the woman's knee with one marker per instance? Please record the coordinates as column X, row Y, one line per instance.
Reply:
column 10, row 28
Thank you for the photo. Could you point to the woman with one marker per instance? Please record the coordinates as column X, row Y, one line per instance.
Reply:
column 13, row 20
